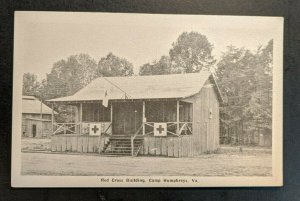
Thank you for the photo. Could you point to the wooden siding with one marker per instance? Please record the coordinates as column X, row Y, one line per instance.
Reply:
column 205, row 120
column 43, row 128
column 36, row 116
column 152, row 146
column 76, row 143
column 168, row 146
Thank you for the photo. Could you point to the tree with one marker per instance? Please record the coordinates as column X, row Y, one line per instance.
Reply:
column 236, row 78
column 245, row 80
column 31, row 86
column 112, row 65
column 190, row 53
column 163, row 66
column 260, row 104
column 67, row 76
column 70, row 75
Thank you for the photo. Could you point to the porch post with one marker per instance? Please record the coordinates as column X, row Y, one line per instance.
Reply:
column 80, row 118
column 132, row 145
column 144, row 117
column 52, row 118
column 41, row 117
column 177, row 116
column 41, row 111
column 111, row 112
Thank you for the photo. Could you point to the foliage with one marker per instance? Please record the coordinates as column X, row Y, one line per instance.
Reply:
column 244, row 77
column 163, row 66
column 245, row 80
column 31, row 86
column 112, row 65
column 69, row 75
column 260, row 105
column 190, row 53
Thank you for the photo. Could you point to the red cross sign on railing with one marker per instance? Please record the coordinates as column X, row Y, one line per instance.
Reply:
column 160, row 129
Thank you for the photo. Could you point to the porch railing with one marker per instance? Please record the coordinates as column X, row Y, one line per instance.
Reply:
column 79, row 128
column 132, row 141
column 65, row 128
column 185, row 128
column 105, row 127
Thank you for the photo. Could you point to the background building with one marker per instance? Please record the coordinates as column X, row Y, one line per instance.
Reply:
column 36, row 118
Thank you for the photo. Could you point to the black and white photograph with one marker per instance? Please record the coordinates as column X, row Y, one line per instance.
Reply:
column 146, row 100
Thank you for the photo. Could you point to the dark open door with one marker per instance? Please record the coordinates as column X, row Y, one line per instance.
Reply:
column 33, row 130
column 127, row 117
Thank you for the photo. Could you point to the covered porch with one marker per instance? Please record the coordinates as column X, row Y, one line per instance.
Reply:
column 122, row 126
column 131, row 117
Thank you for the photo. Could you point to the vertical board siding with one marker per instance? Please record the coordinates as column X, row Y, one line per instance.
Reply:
column 84, row 144
column 205, row 129
column 164, row 146
column 64, row 144
column 53, row 144
column 182, row 146
column 91, row 145
column 146, row 146
column 151, row 146
column 170, row 146
column 175, row 147
column 73, row 143
column 79, row 144
column 69, row 144
column 158, row 146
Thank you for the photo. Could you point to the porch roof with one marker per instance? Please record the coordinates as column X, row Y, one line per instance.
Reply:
column 140, row 87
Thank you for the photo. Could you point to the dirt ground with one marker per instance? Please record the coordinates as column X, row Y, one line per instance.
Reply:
column 35, row 144
column 255, row 163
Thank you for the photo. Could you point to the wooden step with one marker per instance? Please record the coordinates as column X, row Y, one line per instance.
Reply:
column 116, row 154
column 122, row 148
column 128, row 143
column 121, row 145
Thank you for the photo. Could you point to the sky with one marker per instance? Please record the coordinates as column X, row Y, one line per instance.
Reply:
column 48, row 37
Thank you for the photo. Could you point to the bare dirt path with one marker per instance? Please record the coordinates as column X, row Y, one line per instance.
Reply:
column 224, row 164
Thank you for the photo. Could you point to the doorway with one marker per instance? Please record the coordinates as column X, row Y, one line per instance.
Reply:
column 127, row 117
column 33, row 130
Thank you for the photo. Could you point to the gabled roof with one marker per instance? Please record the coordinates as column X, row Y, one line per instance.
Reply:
column 31, row 105
column 141, row 87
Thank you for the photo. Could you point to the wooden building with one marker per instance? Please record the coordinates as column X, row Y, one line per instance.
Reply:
column 36, row 118
column 165, row 115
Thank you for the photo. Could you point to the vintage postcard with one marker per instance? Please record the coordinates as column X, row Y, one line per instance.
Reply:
column 146, row 100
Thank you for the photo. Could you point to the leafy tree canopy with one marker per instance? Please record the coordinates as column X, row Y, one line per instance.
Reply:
column 31, row 86
column 245, row 80
column 191, row 52
column 112, row 65
column 163, row 66
column 70, row 75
